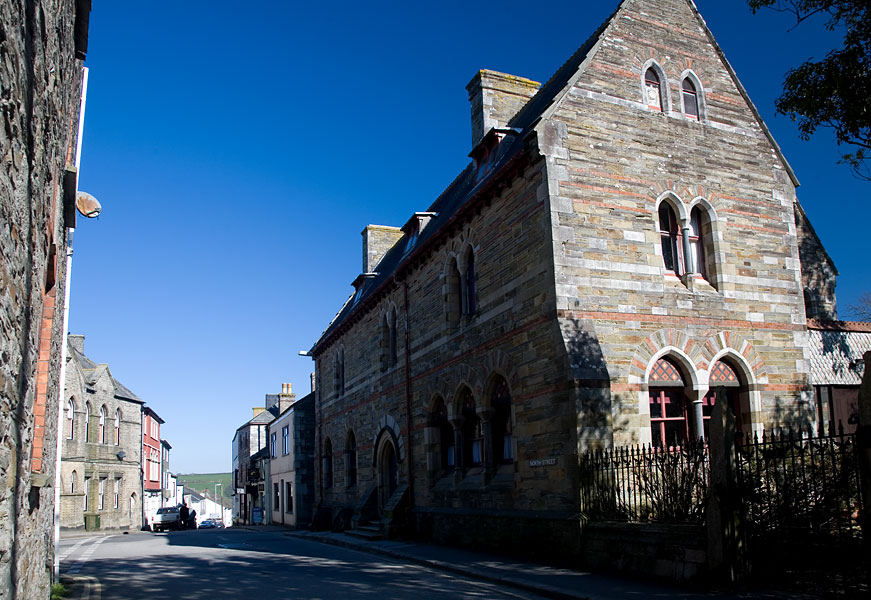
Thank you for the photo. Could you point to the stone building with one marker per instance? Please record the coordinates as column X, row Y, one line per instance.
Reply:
column 248, row 478
column 291, row 469
column 43, row 44
column 101, row 486
column 623, row 246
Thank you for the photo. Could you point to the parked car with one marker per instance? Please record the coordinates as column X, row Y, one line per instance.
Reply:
column 207, row 524
column 166, row 518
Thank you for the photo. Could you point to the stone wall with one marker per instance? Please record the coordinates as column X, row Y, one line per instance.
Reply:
column 818, row 273
column 39, row 100
column 612, row 162
column 93, row 459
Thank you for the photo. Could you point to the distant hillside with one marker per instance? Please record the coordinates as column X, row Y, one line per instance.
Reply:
column 206, row 481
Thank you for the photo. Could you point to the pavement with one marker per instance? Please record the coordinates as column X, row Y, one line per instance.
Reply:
column 529, row 576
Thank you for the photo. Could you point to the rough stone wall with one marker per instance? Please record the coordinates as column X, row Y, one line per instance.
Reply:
column 819, row 276
column 91, row 459
column 611, row 159
column 40, row 83
column 512, row 334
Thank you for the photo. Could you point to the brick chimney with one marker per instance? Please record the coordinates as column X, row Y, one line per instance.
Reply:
column 377, row 240
column 496, row 98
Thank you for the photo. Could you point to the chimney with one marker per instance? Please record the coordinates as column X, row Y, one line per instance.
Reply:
column 377, row 240
column 496, row 98
column 258, row 409
column 286, row 398
column 77, row 342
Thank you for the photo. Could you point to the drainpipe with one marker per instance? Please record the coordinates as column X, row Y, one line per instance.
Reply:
column 63, row 347
column 408, row 421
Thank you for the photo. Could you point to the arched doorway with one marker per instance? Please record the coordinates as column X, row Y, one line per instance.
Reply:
column 725, row 382
column 388, row 471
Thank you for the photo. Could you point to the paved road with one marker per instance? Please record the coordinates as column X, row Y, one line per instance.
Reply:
column 239, row 564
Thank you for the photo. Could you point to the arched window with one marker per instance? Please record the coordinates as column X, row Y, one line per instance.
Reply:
column 469, row 300
column 385, row 343
column 87, row 491
column 87, row 422
column 473, row 433
column 453, row 294
column 74, row 482
column 690, row 98
column 697, row 246
column 669, row 232
column 351, row 460
column 101, row 432
column 392, row 341
column 668, row 407
column 70, row 420
column 725, row 383
column 340, row 371
column 652, row 90
column 503, row 450
column 117, row 436
column 439, row 420
column 811, row 304
column 328, row 464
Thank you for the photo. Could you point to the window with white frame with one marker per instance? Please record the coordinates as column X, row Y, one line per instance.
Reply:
column 690, row 98
column 285, row 440
column 101, row 432
column 653, row 90
column 116, row 493
column 70, row 419
column 101, row 493
column 117, row 435
column 273, row 445
column 288, row 497
column 73, row 482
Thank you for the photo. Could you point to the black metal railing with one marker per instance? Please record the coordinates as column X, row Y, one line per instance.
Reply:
column 645, row 483
column 797, row 485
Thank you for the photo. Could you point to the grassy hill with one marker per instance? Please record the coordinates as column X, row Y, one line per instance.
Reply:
column 206, row 481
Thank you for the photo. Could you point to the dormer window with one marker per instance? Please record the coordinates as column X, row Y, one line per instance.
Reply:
column 485, row 154
column 652, row 91
column 360, row 285
column 414, row 226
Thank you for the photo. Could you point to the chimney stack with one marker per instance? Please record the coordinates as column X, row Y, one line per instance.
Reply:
column 496, row 97
column 77, row 342
column 377, row 240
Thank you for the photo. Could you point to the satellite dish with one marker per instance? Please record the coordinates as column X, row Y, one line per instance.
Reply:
column 87, row 205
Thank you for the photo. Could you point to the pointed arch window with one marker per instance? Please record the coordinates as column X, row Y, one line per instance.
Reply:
column 385, row 343
column 392, row 345
column 70, row 421
column 340, row 371
column 439, row 420
column 652, row 90
column 668, row 406
column 473, row 432
column 328, row 464
column 101, row 432
column 117, row 436
column 690, row 98
column 453, row 293
column 87, row 422
column 74, row 483
column 470, row 281
column 669, row 232
column 503, row 449
column 351, row 460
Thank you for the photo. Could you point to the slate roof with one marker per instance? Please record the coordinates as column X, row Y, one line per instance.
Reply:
column 461, row 193
column 837, row 348
column 93, row 372
column 465, row 188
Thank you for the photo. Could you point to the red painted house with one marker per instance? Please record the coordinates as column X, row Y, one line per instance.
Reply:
column 151, row 463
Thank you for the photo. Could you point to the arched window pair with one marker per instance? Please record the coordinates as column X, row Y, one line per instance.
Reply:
column 476, row 442
column 389, row 347
column 656, row 98
column 671, row 413
column 461, row 279
column 101, row 431
column 683, row 244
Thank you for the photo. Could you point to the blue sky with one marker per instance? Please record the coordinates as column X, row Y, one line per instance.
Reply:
column 239, row 150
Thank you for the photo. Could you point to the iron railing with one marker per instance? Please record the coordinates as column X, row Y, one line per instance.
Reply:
column 797, row 485
column 645, row 483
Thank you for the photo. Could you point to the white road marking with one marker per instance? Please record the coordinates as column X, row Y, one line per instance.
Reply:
column 81, row 560
column 72, row 549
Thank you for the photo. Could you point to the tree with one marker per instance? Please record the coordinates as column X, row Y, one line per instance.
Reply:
column 834, row 92
column 861, row 310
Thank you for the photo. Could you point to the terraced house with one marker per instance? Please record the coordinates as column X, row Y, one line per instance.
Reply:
column 624, row 244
